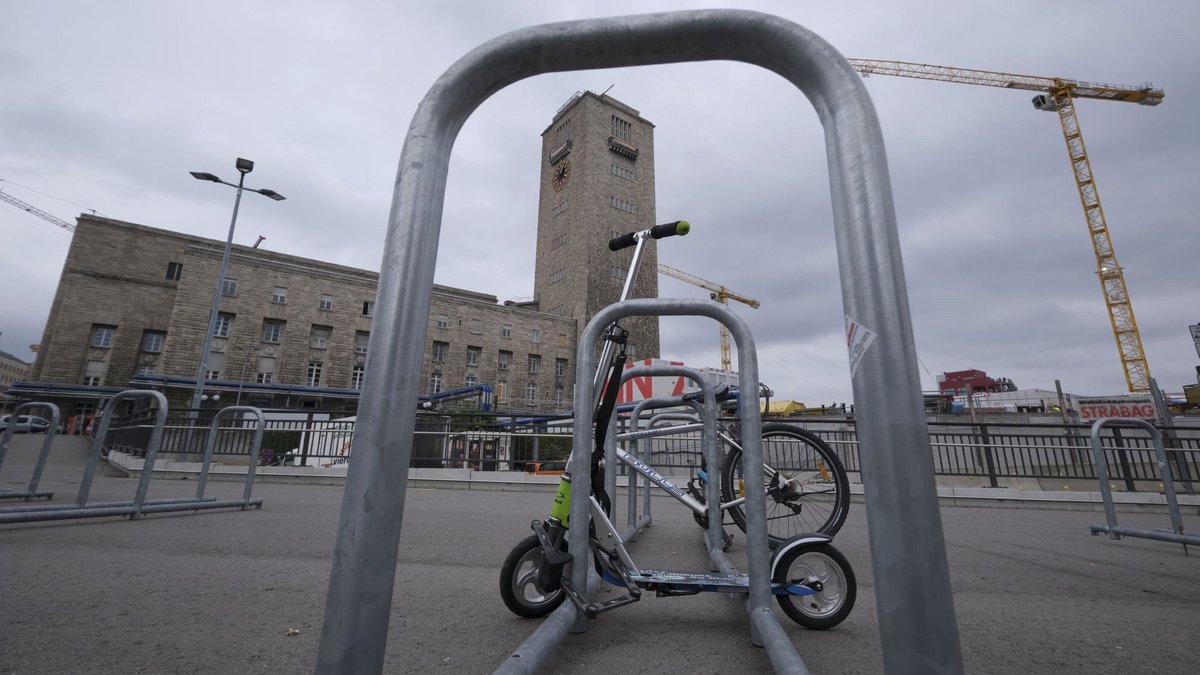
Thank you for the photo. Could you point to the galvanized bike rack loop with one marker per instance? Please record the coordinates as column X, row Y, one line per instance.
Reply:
column 764, row 626
column 260, row 423
column 637, row 433
column 1113, row 529
column 82, row 508
column 710, row 445
column 918, row 632
column 30, row 492
column 140, row 506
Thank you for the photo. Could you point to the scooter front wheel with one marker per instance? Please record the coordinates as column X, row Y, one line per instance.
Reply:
column 518, row 581
column 822, row 566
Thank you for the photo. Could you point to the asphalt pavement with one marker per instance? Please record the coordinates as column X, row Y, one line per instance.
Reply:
column 231, row 591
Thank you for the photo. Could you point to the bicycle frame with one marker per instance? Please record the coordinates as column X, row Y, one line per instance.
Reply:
column 680, row 494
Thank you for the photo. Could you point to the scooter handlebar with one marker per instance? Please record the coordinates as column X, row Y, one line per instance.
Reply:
column 677, row 228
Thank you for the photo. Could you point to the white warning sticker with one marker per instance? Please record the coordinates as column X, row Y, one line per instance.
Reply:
column 858, row 340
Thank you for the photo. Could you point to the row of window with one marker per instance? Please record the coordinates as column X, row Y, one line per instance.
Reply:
column 272, row 333
column 621, row 128
column 441, row 351
column 94, row 372
column 562, row 134
column 102, row 337
column 475, row 326
column 278, row 293
column 621, row 171
column 622, row 205
column 313, row 376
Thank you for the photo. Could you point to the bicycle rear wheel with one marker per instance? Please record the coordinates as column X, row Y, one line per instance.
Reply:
column 807, row 487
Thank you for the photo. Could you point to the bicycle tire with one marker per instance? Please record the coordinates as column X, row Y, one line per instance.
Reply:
column 818, row 502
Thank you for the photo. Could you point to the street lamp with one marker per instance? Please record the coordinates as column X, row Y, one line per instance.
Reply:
column 244, row 166
column 246, row 352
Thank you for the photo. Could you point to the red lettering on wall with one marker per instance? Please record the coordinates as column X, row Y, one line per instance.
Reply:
column 677, row 390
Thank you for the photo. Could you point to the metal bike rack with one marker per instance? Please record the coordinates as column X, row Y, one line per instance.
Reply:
column 637, row 433
column 765, row 629
column 1113, row 529
column 139, row 505
column 30, row 492
column 710, row 445
column 917, row 627
column 259, row 425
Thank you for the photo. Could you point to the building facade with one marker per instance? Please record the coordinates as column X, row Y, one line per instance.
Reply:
column 597, row 182
column 132, row 305
column 12, row 369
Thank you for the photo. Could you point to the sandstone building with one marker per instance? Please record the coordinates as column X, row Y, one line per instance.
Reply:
column 12, row 369
column 132, row 304
column 132, row 307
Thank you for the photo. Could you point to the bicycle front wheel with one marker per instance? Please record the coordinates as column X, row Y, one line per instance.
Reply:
column 806, row 484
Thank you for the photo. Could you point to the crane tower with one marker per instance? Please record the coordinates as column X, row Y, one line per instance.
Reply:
column 1058, row 95
column 25, row 206
column 718, row 293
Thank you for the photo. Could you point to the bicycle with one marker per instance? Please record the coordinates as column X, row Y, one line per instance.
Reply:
column 807, row 487
column 811, row 580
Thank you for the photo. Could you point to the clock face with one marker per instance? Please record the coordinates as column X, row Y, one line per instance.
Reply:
column 561, row 173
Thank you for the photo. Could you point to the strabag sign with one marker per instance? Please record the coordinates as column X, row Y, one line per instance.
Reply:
column 1097, row 408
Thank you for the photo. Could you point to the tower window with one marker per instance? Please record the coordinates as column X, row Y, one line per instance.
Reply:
column 621, row 204
column 621, row 171
column 621, row 129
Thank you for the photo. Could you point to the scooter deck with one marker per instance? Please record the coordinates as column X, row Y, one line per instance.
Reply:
column 698, row 581
column 704, row 582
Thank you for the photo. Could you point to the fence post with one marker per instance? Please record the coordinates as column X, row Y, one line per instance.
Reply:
column 1170, row 439
column 305, row 439
column 988, row 457
column 1123, row 458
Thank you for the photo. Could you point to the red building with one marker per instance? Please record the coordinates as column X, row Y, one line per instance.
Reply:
column 960, row 382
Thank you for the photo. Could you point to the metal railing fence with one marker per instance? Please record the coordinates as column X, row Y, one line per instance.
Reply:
column 992, row 450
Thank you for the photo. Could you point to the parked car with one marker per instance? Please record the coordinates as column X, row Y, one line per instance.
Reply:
column 26, row 424
column 545, row 468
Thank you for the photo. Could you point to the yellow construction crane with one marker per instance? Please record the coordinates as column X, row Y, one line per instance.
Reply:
column 25, row 206
column 1058, row 95
column 720, row 294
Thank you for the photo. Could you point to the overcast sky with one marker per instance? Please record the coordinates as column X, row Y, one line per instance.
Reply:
column 107, row 106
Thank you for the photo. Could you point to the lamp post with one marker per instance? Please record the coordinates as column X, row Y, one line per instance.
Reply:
column 244, row 166
column 246, row 352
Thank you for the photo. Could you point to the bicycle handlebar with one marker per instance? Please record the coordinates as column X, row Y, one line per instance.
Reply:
column 677, row 228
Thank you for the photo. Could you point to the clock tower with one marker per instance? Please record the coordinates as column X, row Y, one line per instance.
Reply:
column 597, row 181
